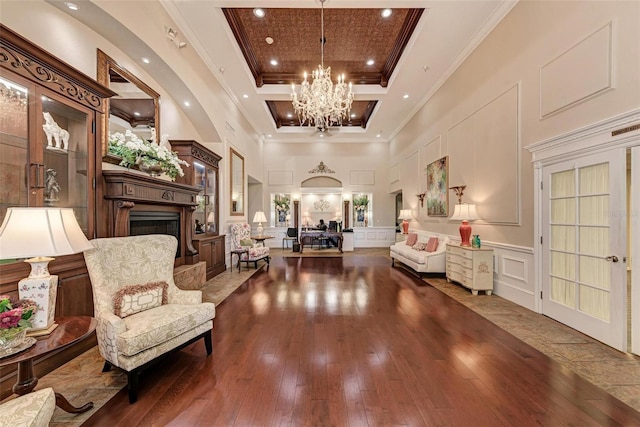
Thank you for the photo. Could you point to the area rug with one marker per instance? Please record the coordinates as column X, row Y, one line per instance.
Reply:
column 81, row 380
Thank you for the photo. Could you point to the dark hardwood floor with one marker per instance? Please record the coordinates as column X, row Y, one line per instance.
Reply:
column 353, row 342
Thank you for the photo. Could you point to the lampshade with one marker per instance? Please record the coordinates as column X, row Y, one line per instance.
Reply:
column 464, row 211
column 210, row 217
column 405, row 214
column 32, row 232
column 259, row 217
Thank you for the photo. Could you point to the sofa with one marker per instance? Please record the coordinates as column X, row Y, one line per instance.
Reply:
column 416, row 252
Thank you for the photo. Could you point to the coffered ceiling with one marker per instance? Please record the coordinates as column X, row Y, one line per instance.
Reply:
column 395, row 63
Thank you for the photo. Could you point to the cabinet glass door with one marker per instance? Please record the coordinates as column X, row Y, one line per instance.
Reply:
column 14, row 144
column 66, row 158
column 210, row 196
column 200, row 181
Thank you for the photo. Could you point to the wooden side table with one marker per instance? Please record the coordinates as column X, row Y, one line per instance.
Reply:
column 70, row 329
column 238, row 252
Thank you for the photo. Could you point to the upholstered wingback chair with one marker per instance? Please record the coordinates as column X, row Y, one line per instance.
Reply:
column 241, row 239
column 141, row 313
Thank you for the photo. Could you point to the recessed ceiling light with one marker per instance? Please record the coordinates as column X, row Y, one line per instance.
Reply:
column 289, row 115
column 135, row 113
column 71, row 6
column 378, row 136
column 405, row 96
column 245, row 96
column 258, row 12
column 186, row 103
column 322, row 135
column 386, row 13
column 269, row 135
column 353, row 115
column 371, row 62
column 269, row 40
column 273, row 62
column 145, row 60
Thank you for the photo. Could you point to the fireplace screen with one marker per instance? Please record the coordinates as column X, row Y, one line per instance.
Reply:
column 141, row 223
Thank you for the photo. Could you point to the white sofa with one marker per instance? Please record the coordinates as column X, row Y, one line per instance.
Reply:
column 421, row 261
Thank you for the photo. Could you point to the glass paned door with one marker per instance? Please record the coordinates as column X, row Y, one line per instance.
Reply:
column 584, row 225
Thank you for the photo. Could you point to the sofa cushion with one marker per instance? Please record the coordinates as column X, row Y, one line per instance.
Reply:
column 412, row 238
column 420, row 246
column 432, row 244
column 150, row 328
column 134, row 299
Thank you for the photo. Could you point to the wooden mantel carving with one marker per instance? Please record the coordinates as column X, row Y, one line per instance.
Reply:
column 126, row 191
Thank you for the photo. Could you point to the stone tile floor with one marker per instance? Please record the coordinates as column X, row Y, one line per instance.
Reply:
column 615, row 372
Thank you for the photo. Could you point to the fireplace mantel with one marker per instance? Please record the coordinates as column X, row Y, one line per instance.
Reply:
column 126, row 191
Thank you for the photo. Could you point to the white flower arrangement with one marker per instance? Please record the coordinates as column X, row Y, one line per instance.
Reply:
column 135, row 150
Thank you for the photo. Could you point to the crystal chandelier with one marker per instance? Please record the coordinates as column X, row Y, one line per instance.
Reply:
column 320, row 103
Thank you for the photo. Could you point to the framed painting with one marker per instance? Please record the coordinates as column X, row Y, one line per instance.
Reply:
column 437, row 185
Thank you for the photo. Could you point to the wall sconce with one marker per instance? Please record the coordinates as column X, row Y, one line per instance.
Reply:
column 173, row 36
column 459, row 189
column 421, row 198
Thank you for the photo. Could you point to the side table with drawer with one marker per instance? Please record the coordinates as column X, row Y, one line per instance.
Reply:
column 471, row 267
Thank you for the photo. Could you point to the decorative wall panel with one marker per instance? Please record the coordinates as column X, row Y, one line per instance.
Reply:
column 365, row 177
column 583, row 71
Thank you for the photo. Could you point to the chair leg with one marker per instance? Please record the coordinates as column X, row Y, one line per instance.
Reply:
column 106, row 367
column 207, row 343
column 132, row 384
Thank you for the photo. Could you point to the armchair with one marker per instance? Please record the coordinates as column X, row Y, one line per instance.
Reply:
column 241, row 239
column 141, row 313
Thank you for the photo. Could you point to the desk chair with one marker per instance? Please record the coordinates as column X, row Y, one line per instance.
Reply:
column 291, row 236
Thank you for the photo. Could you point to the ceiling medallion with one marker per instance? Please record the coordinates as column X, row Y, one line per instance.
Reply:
column 319, row 103
column 321, row 168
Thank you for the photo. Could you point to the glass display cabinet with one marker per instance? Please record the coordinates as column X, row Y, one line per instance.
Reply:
column 203, row 173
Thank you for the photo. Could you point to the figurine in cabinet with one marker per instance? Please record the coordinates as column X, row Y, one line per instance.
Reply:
column 51, row 188
column 55, row 133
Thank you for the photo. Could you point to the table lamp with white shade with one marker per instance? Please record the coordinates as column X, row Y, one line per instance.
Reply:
column 465, row 213
column 405, row 216
column 40, row 234
column 259, row 218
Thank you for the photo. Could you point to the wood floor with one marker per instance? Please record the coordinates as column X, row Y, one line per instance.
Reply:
column 351, row 342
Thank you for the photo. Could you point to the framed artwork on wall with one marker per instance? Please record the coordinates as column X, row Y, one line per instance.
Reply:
column 437, row 185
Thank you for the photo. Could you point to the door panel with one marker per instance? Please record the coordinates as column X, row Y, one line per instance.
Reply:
column 583, row 203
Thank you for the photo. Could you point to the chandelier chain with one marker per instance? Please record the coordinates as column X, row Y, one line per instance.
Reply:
column 320, row 103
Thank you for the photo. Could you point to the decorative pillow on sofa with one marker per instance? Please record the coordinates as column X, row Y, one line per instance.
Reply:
column 420, row 246
column 412, row 238
column 246, row 242
column 134, row 299
column 432, row 244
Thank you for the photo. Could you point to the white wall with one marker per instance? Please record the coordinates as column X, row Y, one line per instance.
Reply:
column 546, row 69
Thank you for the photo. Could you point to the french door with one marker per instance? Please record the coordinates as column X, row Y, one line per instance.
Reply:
column 584, row 245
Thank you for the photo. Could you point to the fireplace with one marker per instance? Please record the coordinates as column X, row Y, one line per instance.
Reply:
column 139, row 204
column 149, row 222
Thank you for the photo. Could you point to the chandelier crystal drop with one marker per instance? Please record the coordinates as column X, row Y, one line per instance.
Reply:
column 320, row 103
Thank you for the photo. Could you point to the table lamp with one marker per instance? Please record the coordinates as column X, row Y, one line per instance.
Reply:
column 405, row 216
column 259, row 218
column 39, row 234
column 465, row 213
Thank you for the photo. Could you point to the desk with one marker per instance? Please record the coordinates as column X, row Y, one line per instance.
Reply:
column 261, row 239
column 310, row 236
column 70, row 329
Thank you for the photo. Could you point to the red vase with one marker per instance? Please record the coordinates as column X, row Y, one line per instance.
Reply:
column 465, row 233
